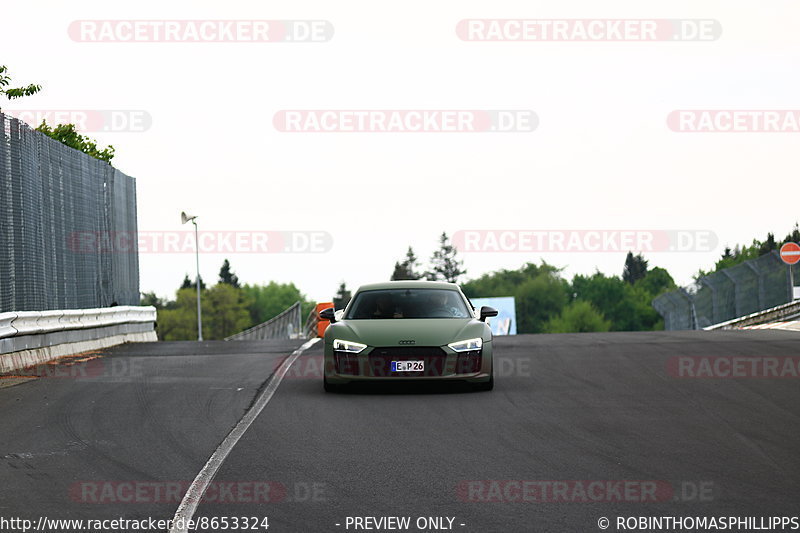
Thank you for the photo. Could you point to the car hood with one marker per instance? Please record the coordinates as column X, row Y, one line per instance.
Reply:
column 423, row 331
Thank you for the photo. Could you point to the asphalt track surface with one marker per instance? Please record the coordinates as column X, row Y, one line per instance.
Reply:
column 572, row 409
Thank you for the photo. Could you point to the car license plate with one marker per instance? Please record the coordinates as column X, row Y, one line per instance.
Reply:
column 408, row 366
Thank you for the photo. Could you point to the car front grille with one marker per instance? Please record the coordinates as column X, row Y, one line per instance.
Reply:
column 378, row 363
column 380, row 360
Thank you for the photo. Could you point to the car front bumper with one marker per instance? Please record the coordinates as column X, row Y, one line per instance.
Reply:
column 441, row 364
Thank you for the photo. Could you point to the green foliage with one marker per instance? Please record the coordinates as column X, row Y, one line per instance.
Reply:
column 505, row 282
column 150, row 298
column 578, row 317
column 227, row 308
column 656, row 282
column 227, row 276
column 741, row 253
column 539, row 292
column 66, row 134
column 179, row 322
column 610, row 296
column 225, row 311
column 635, row 268
column 190, row 284
column 445, row 266
column 408, row 268
column 12, row 93
column 545, row 302
column 268, row 301
column 537, row 300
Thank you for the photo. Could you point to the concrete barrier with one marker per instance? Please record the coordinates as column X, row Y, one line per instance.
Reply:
column 35, row 337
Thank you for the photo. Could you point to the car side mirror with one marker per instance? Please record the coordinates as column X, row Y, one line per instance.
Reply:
column 328, row 314
column 486, row 312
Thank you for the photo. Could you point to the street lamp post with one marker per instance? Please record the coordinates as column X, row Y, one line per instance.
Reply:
column 184, row 219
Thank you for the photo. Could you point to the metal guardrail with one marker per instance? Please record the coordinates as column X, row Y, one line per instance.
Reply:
column 310, row 328
column 286, row 325
column 17, row 324
column 779, row 312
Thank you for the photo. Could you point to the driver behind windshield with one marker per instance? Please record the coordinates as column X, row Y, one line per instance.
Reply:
column 384, row 307
column 439, row 304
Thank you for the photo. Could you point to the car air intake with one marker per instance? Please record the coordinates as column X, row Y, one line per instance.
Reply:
column 469, row 362
column 380, row 360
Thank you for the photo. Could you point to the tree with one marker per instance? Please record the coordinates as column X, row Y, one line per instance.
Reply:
column 342, row 297
column 611, row 296
column 408, row 268
column 794, row 236
column 538, row 290
column 635, row 268
column 225, row 311
column 656, row 282
column 178, row 321
column 268, row 301
column 66, row 134
column 15, row 92
column 227, row 276
column 190, row 284
column 768, row 245
column 444, row 265
column 150, row 298
column 578, row 317
column 537, row 300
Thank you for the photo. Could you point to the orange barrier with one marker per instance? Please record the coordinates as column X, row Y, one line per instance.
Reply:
column 322, row 324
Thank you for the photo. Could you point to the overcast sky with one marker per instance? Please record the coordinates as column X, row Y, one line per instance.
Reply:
column 601, row 157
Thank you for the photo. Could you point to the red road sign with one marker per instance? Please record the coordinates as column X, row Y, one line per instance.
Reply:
column 790, row 253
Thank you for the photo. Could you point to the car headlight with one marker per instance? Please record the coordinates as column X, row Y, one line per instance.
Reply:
column 468, row 345
column 348, row 346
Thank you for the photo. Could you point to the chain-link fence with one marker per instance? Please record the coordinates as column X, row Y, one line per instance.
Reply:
column 59, row 208
column 733, row 292
column 287, row 325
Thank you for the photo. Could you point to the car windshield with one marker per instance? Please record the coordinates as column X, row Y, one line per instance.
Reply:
column 408, row 303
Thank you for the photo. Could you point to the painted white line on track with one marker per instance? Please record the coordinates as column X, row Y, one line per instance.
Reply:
column 198, row 487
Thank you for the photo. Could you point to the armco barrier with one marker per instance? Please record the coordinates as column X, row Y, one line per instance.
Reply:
column 284, row 326
column 774, row 314
column 34, row 337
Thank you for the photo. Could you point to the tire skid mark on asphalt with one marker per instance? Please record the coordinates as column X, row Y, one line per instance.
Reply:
column 194, row 494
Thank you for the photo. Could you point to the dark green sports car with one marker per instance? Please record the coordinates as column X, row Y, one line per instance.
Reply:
column 405, row 331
